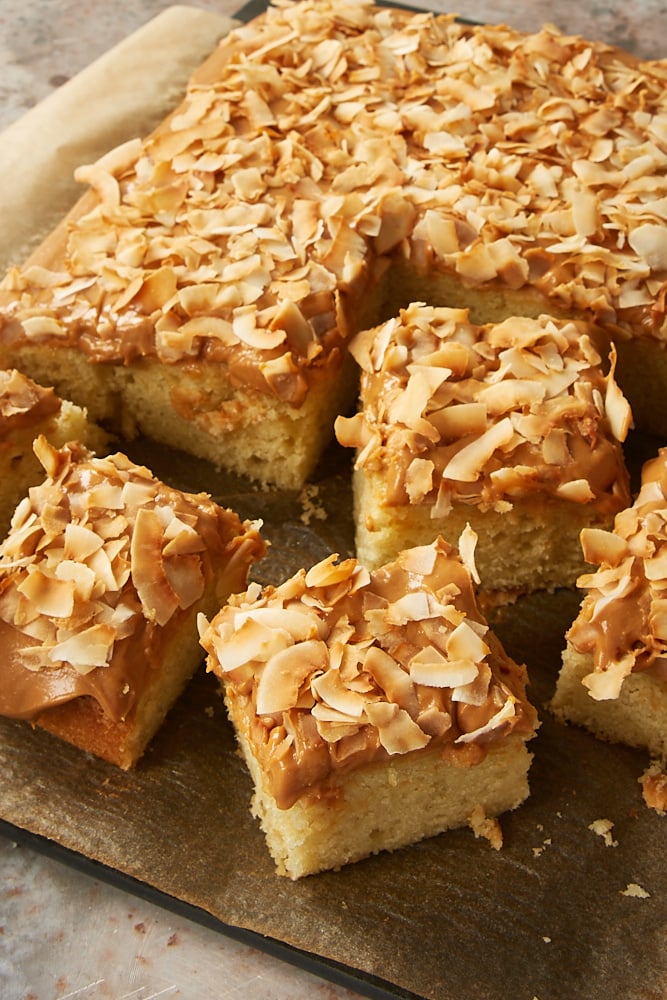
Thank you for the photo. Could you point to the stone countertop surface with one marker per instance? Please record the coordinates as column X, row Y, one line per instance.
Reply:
column 43, row 43
column 63, row 933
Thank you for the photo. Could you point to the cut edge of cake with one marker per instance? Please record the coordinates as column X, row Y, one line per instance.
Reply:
column 350, row 751
column 514, row 427
column 613, row 676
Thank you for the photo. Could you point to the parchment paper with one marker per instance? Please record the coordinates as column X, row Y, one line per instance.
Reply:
column 549, row 916
column 121, row 95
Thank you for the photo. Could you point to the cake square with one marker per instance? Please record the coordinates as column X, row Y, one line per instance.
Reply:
column 372, row 709
column 613, row 679
column 511, row 427
column 102, row 575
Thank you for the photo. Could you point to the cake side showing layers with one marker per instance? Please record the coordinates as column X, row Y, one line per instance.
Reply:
column 614, row 675
column 373, row 710
column 322, row 149
column 102, row 575
column 513, row 427
column 28, row 411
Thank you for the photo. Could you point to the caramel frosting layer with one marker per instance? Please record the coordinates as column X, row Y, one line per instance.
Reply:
column 485, row 415
column 623, row 618
column 23, row 403
column 328, row 136
column 101, row 560
column 336, row 668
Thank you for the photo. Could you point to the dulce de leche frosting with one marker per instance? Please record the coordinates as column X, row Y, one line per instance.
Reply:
column 486, row 415
column 100, row 561
column 622, row 622
column 337, row 667
column 327, row 136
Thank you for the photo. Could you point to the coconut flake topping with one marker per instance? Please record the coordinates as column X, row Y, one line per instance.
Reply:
column 98, row 550
column 329, row 133
column 451, row 410
column 623, row 617
column 354, row 665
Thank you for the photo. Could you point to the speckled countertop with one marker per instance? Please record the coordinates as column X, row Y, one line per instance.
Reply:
column 44, row 42
column 64, row 934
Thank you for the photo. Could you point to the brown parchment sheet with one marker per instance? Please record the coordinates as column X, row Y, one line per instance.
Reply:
column 549, row 916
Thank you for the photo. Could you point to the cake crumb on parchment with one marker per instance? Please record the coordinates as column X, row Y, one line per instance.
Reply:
column 603, row 828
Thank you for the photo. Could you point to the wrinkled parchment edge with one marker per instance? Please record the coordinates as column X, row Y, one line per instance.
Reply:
column 119, row 96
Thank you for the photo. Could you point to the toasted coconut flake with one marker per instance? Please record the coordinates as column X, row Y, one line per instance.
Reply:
column 50, row 597
column 467, row 546
column 501, row 717
column 185, row 578
column 329, row 688
column 282, row 677
column 578, row 491
column 83, row 578
column 87, row 649
column 606, row 685
column 328, row 573
column 617, row 407
column 181, row 538
column 392, row 679
column 465, row 643
column 411, row 607
column 158, row 600
column 102, row 181
column 433, row 669
column 250, row 641
column 419, row 478
column 398, row 733
column 600, row 546
column 48, row 456
column 80, row 542
column 650, row 242
column 467, row 463
column 459, row 420
column 300, row 623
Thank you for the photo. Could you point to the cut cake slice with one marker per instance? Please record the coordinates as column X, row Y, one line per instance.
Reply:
column 512, row 427
column 102, row 575
column 613, row 678
column 373, row 709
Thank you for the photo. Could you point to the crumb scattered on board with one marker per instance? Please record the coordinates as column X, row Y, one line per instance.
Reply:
column 603, row 828
column 311, row 505
column 636, row 891
column 654, row 787
column 487, row 827
column 537, row 851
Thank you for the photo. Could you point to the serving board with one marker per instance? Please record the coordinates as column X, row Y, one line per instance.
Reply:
column 560, row 911
column 549, row 915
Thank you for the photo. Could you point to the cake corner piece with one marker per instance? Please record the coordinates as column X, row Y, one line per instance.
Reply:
column 102, row 575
